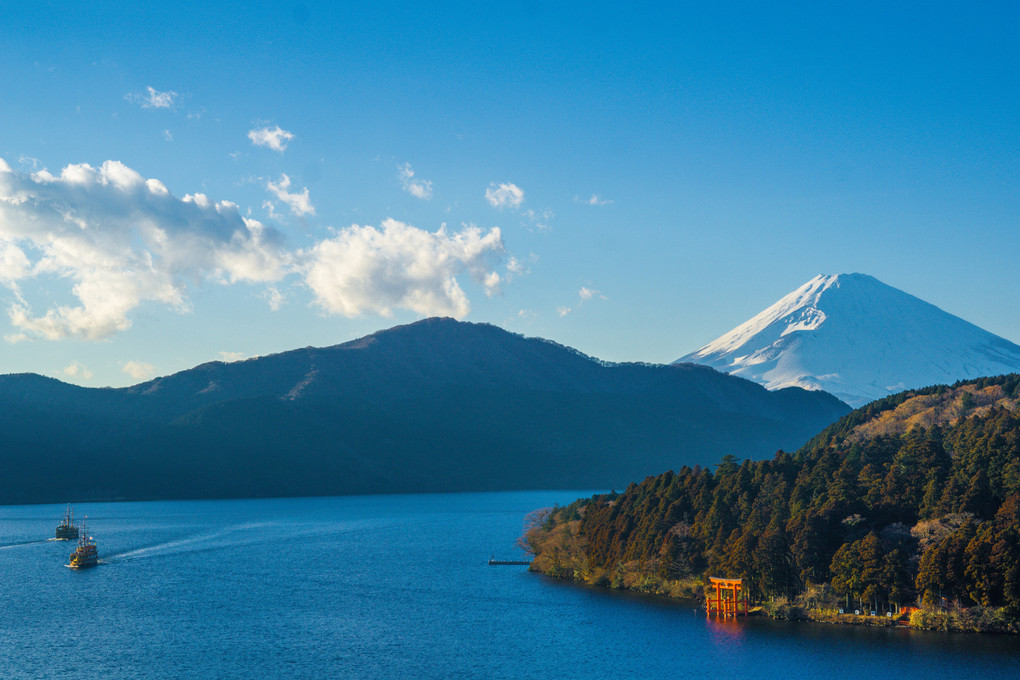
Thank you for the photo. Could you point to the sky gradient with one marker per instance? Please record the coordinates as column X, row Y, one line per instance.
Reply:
column 212, row 181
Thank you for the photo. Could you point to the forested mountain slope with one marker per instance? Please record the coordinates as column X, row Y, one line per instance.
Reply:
column 915, row 497
column 438, row 405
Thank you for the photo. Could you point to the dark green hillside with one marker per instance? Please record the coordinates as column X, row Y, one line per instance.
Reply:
column 914, row 498
column 437, row 405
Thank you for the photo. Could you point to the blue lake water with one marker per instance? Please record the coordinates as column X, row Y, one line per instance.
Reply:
column 387, row 587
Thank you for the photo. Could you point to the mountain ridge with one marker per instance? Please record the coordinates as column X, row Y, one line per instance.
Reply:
column 438, row 405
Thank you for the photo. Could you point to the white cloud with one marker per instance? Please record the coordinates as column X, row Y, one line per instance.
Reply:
column 419, row 188
column 77, row 370
column 540, row 220
column 274, row 298
column 81, row 250
column 274, row 138
column 368, row 270
column 595, row 199
column 154, row 99
column 299, row 203
column 491, row 282
column 584, row 295
column 231, row 356
column 504, row 195
column 168, row 136
column 120, row 241
column 25, row 162
column 139, row 370
column 14, row 264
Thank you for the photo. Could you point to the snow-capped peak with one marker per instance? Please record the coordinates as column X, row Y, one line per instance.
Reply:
column 856, row 337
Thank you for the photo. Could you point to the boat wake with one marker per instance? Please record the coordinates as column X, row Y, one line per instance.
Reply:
column 240, row 535
column 20, row 544
column 217, row 540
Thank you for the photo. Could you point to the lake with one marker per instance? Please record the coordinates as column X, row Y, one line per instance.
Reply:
column 388, row 587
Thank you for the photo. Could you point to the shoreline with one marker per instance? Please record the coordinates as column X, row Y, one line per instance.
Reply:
column 985, row 620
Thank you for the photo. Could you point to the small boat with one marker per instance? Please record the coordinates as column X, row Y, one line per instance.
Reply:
column 66, row 531
column 85, row 555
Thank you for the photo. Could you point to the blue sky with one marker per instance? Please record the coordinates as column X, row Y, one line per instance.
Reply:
column 189, row 182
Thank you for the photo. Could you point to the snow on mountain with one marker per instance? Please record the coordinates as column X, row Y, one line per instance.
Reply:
column 859, row 339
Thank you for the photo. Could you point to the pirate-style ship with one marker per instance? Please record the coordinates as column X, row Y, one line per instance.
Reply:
column 66, row 531
column 85, row 555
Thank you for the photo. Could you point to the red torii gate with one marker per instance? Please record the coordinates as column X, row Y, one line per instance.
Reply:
column 726, row 597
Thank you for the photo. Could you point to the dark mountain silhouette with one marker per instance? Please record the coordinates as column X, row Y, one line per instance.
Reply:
column 437, row 405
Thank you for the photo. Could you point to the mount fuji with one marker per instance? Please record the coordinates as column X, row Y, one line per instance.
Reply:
column 859, row 339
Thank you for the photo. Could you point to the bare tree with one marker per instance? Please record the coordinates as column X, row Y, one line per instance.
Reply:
column 533, row 521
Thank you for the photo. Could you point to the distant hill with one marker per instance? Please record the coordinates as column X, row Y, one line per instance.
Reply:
column 912, row 500
column 859, row 339
column 437, row 405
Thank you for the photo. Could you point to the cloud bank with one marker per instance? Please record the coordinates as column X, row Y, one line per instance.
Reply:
column 121, row 240
column 117, row 241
